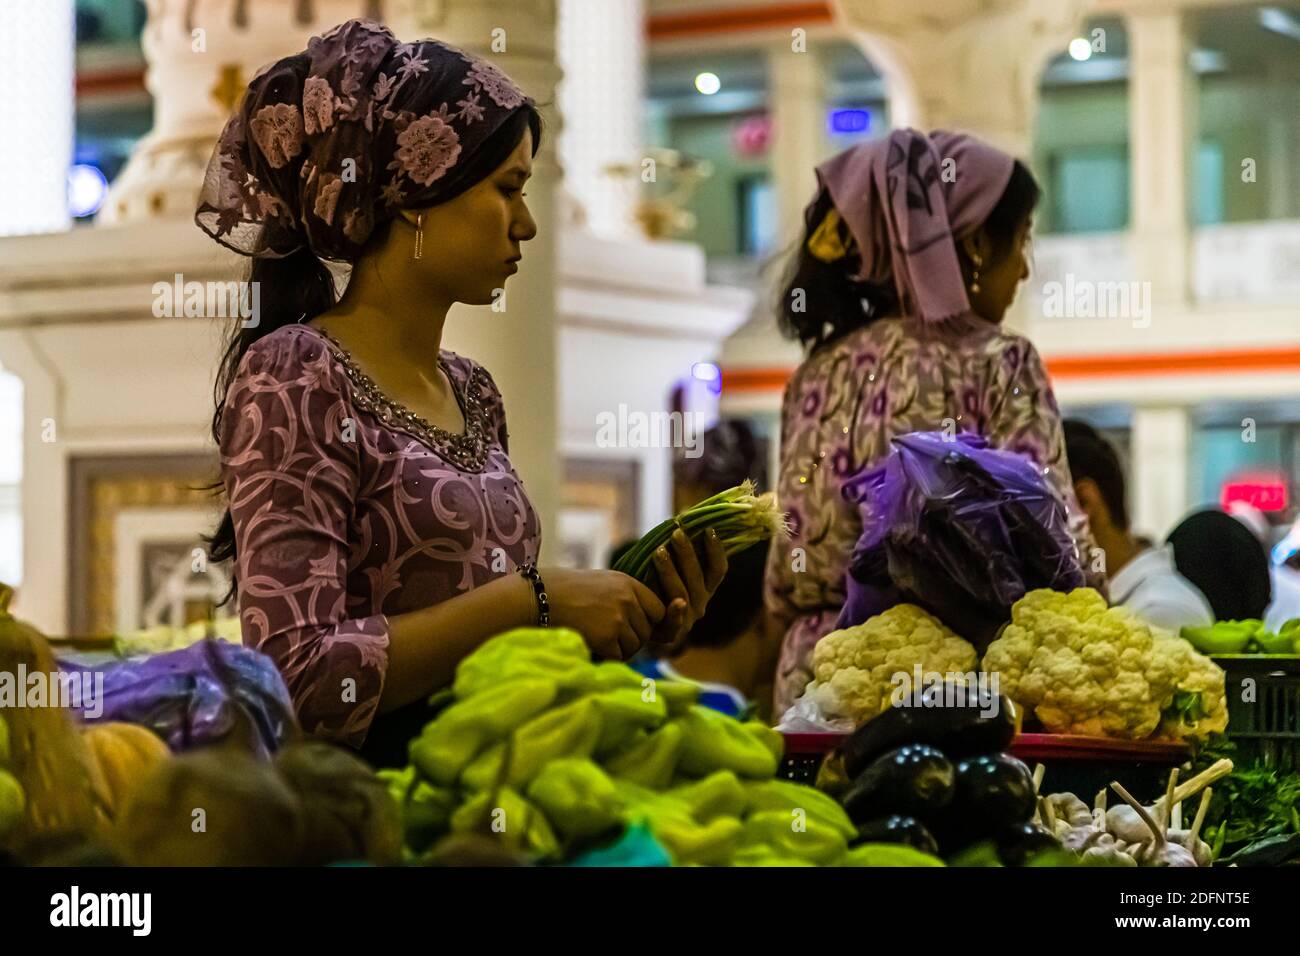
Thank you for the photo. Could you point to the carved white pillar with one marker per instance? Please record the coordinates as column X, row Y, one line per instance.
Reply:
column 518, row 345
column 36, row 66
column 969, row 65
column 602, row 54
column 201, row 55
column 1161, row 124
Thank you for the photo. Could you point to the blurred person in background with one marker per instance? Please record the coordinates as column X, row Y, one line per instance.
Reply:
column 725, row 652
column 730, row 453
column 897, row 291
column 1285, row 604
column 1226, row 561
column 1142, row 577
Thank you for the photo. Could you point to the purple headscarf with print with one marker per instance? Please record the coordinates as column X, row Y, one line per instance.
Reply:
column 330, row 141
column 906, row 199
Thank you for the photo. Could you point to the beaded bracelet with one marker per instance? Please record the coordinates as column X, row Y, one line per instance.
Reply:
column 534, row 577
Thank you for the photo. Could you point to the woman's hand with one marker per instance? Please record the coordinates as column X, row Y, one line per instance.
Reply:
column 686, row 585
column 615, row 613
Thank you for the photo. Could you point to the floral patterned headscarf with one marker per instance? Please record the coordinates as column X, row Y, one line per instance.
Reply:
column 328, row 142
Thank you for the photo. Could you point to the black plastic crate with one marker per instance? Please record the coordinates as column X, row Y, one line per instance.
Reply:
column 1265, row 727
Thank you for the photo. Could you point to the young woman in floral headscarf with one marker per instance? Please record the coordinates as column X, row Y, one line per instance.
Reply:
column 378, row 530
column 914, row 248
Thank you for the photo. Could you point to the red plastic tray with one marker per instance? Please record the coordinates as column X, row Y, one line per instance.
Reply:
column 1036, row 747
column 1099, row 749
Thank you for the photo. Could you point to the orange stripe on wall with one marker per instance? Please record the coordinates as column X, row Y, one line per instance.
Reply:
column 1083, row 366
column 667, row 26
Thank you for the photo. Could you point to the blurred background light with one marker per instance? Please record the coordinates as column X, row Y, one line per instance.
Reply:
column 708, row 83
column 1080, row 49
column 87, row 189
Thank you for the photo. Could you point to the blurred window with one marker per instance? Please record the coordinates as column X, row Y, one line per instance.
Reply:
column 756, row 214
column 11, row 475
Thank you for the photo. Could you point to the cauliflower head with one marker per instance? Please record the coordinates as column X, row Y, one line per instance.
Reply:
column 854, row 669
column 1085, row 668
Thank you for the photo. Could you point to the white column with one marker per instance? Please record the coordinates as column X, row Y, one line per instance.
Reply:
column 36, row 66
column 518, row 346
column 972, row 67
column 602, row 54
column 1161, row 124
column 1160, row 452
column 797, row 91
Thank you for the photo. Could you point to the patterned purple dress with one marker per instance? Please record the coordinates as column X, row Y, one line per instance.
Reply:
column 348, row 508
column 842, row 407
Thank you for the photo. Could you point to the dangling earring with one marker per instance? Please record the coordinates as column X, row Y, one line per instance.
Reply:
column 419, row 236
column 975, row 276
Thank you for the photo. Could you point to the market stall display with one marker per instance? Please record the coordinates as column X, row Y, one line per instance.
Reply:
column 556, row 755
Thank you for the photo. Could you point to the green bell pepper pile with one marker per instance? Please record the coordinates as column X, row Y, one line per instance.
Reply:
column 1244, row 637
column 559, row 757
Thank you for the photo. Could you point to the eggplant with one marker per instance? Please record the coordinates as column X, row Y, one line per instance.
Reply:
column 992, row 792
column 898, row 829
column 951, row 717
column 1021, row 842
column 914, row 780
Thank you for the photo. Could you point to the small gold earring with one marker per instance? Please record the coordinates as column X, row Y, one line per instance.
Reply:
column 975, row 276
column 419, row 236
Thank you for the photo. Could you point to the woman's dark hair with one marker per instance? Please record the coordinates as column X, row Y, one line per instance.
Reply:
column 299, row 287
column 730, row 453
column 821, row 301
column 1223, row 558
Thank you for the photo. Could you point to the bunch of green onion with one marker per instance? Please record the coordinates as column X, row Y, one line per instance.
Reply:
column 740, row 518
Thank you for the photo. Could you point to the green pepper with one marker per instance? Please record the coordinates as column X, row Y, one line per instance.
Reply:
column 1270, row 643
column 503, row 812
column 887, row 854
column 759, row 855
column 719, row 794
column 568, row 731
column 769, row 737
column 713, row 741
column 426, row 809
column 709, row 844
column 792, row 834
column 577, row 797
column 624, row 713
column 452, row 739
column 650, row 760
column 605, row 676
column 555, row 652
column 677, row 695
column 1225, row 637
column 787, row 796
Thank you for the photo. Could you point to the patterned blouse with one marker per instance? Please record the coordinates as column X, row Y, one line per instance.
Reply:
column 841, row 409
column 348, row 508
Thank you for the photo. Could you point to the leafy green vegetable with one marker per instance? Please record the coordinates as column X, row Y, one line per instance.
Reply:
column 1253, row 802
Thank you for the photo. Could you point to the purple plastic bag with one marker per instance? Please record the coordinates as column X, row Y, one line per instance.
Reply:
column 959, row 528
column 199, row 695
